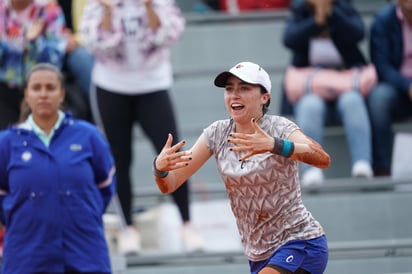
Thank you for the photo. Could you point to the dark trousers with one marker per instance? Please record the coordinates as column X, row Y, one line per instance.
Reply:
column 10, row 100
column 118, row 114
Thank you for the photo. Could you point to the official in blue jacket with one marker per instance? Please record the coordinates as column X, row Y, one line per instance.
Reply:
column 56, row 180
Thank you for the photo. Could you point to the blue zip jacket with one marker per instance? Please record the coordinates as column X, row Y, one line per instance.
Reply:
column 53, row 199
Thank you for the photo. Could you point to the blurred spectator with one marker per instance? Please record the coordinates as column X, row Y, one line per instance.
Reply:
column 391, row 52
column 78, row 61
column 132, row 74
column 328, row 78
column 30, row 32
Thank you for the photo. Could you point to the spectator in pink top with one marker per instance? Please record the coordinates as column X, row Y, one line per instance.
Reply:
column 132, row 75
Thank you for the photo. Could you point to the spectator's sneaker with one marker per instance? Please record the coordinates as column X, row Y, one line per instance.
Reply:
column 312, row 176
column 192, row 241
column 362, row 169
column 129, row 241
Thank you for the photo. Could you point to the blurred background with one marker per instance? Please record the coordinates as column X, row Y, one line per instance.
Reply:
column 367, row 222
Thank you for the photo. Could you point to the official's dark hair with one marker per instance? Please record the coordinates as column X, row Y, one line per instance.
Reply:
column 44, row 66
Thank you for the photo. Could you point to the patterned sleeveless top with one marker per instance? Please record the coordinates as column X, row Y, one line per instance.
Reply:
column 264, row 190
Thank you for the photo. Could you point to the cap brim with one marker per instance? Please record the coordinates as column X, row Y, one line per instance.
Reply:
column 221, row 79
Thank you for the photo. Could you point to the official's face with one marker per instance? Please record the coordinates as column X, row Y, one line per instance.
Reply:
column 44, row 94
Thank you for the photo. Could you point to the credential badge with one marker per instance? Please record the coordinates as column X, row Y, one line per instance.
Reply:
column 26, row 156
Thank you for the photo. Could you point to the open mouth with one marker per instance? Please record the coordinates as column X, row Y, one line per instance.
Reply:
column 237, row 106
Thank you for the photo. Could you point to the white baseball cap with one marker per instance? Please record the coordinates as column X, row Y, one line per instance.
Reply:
column 248, row 72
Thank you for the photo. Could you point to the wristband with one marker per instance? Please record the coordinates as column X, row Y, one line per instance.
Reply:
column 158, row 173
column 277, row 145
column 283, row 147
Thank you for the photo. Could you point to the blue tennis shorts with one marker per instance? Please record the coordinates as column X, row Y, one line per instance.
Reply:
column 310, row 255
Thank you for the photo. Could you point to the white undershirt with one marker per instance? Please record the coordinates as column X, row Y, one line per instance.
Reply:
column 322, row 52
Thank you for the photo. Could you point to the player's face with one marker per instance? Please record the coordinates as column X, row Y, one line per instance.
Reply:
column 244, row 101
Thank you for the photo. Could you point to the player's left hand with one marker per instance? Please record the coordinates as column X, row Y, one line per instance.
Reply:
column 255, row 143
